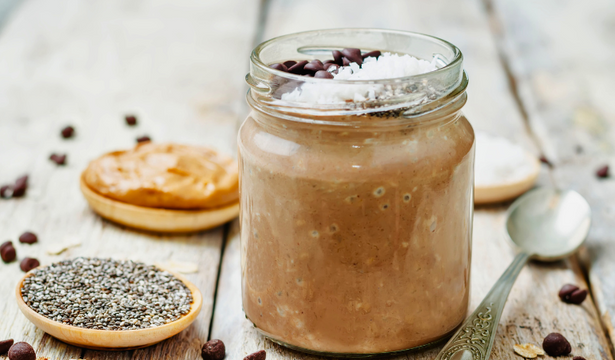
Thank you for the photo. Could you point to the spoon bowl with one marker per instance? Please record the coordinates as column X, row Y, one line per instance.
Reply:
column 548, row 224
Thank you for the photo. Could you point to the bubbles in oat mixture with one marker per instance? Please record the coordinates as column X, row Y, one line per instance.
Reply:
column 351, row 199
column 407, row 198
column 255, row 234
column 379, row 192
column 333, row 228
column 315, row 233
column 384, row 206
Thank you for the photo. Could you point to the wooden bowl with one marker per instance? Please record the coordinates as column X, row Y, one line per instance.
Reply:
column 155, row 219
column 108, row 339
column 508, row 190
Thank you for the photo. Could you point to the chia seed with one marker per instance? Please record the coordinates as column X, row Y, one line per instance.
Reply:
column 106, row 294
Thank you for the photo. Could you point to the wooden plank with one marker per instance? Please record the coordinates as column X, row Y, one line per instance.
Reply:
column 88, row 64
column 533, row 309
column 562, row 59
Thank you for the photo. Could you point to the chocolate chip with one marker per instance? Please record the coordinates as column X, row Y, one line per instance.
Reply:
column 143, row 138
column 337, row 57
column 555, row 344
column 328, row 62
column 578, row 358
column 603, row 172
column 131, row 120
column 289, row 63
column 354, row 55
column 332, row 68
column 375, row 54
column 298, row 67
column 28, row 238
column 314, row 66
column 22, row 351
column 7, row 252
column 544, row 160
column 322, row 74
column 280, row 67
column 58, row 159
column 259, row 355
column 345, row 62
column 20, row 187
column 578, row 296
column 68, row 132
column 6, row 191
column 5, row 345
column 572, row 294
column 28, row 264
column 213, row 350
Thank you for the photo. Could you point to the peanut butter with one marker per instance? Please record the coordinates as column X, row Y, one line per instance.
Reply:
column 171, row 176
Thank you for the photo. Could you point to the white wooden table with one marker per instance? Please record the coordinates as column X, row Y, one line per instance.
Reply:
column 541, row 74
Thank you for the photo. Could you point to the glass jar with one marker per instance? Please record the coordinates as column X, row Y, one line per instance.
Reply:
column 356, row 216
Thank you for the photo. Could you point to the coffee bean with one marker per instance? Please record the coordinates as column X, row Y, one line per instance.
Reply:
column 578, row 358
column 28, row 264
column 578, row 296
column 289, row 63
column 280, row 67
column 143, row 138
column 20, row 187
column 572, row 294
column 354, row 55
column 213, row 350
column 345, row 62
column 58, row 159
column 259, row 355
column 5, row 345
column 337, row 57
column 322, row 74
column 314, row 66
column 555, row 344
column 7, row 252
column 22, row 351
column 68, row 132
column 6, row 191
column 566, row 290
column 603, row 172
column 131, row 120
column 375, row 54
column 298, row 67
column 28, row 238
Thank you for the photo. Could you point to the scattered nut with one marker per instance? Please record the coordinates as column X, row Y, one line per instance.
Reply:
column 131, row 120
column 555, row 344
column 143, row 138
column 578, row 358
column 213, row 350
column 572, row 294
column 5, row 345
column 528, row 351
column 259, row 355
column 22, row 351
column 68, row 132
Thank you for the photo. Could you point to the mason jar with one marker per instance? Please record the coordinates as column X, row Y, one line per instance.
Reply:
column 356, row 216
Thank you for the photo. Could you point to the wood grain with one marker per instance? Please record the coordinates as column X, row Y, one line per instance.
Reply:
column 562, row 58
column 88, row 63
column 533, row 310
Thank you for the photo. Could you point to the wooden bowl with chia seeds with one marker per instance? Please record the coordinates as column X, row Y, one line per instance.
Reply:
column 118, row 337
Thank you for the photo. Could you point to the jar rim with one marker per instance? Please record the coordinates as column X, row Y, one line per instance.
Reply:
column 269, row 87
column 256, row 60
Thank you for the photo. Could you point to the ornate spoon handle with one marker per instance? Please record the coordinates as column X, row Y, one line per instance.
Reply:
column 474, row 339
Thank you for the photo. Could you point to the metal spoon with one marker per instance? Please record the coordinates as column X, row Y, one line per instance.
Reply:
column 544, row 224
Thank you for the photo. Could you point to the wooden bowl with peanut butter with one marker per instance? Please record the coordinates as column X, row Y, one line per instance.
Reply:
column 163, row 187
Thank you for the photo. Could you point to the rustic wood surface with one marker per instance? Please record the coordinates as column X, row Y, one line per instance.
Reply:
column 88, row 63
column 562, row 59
